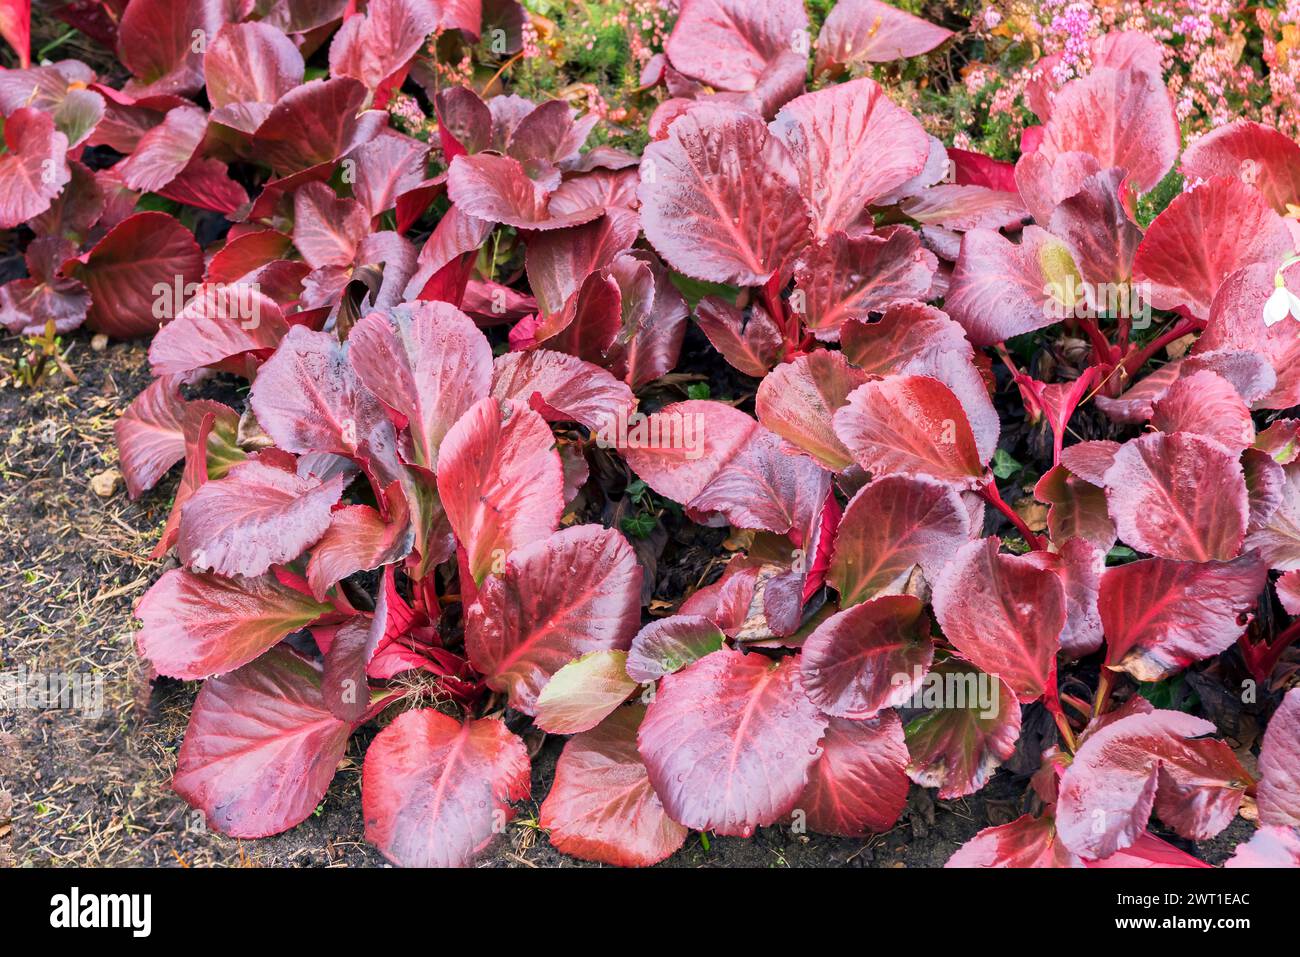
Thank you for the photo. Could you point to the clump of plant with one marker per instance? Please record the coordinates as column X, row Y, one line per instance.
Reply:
column 459, row 351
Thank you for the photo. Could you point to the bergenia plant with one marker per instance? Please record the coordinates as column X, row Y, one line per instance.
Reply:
column 475, row 406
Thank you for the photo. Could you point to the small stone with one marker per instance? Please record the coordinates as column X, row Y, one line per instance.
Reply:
column 105, row 483
column 100, row 342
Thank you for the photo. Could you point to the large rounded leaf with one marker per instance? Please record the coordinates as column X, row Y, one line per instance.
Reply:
column 890, row 526
column 1004, row 614
column 850, row 277
column 870, row 31
column 501, row 482
column 575, row 592
column 1205, row 403
column 1178, row 496
column 1160, row 616
column 729, row 742
column 562, row 387
column 261, row 747
column 34, row 169
column 601, row 806
column 124, row 269
column 670, row 644
column 720, row 197
column 860, row 782
column 1002, row 289
column 1256, row 154
column 151, row 432
column 1027, row 841
column 797, row 400
column 250, row 62
column 426, row 361
column 257, row 516
column 1202, row 237
column 1279, row 765
column 1079, row 565
column 435, row 792
column 201, row 625
column 970, row 728
column 729, row 44
column 850, row 144
column 868, row 657
column 1161, row 759
column 1237, row 325
column 678, row 450
column 909, row 424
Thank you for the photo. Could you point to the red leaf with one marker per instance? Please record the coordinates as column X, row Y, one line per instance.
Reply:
column 670, row 644
column 850, row 145
column 798, row 399
column 909, row 335
column 428, row 362
column 1204, row 236
column 869, row 31
column 219, row 322
column 1079, row 565
column 1160, row 759
column 1000, row 289
column 1178, row 496
column 1078, row 508
column 679, row 449
column 767, row 486
column 1148, row 851
column 497, row 189
column 373, row 46
column 389, row 170
column 1256, row 154
column 327, row 229
column 1160, row 616
column 155, row 41
column 1278, row 793
column 257, row 516
column 729, row 741
column 124, row 270
column 358, row 539
column 970, row 730
column 869, row 657
column 601, row 806
column 261, row 747
column 559, row 261
column 1096, row 225
column 435, row 792
column 562, row 388
column 859, row 784
column 308, row 399
column 151, row 432
column 890, row 526
column 1206, row 404
column 730, row 44
column 847, row 278
column 1003, row 614
column 1118, row 117
column 201, row 625
column 1027, row 841
column 752, row 344
column 909, row 424
column 500, row 481
column 16, row 28
column 165, row 150
column 250, row 63
column 34, row 168
column 720, row 198
column 27, row 305
column 575, row 592
column 1237, row 323
column 314, row 123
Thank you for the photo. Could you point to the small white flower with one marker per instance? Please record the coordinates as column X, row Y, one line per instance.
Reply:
column 1283, row 301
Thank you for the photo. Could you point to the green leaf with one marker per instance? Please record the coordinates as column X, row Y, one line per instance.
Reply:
column 639, row 525
column 697, row 390
column 1004, row 466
